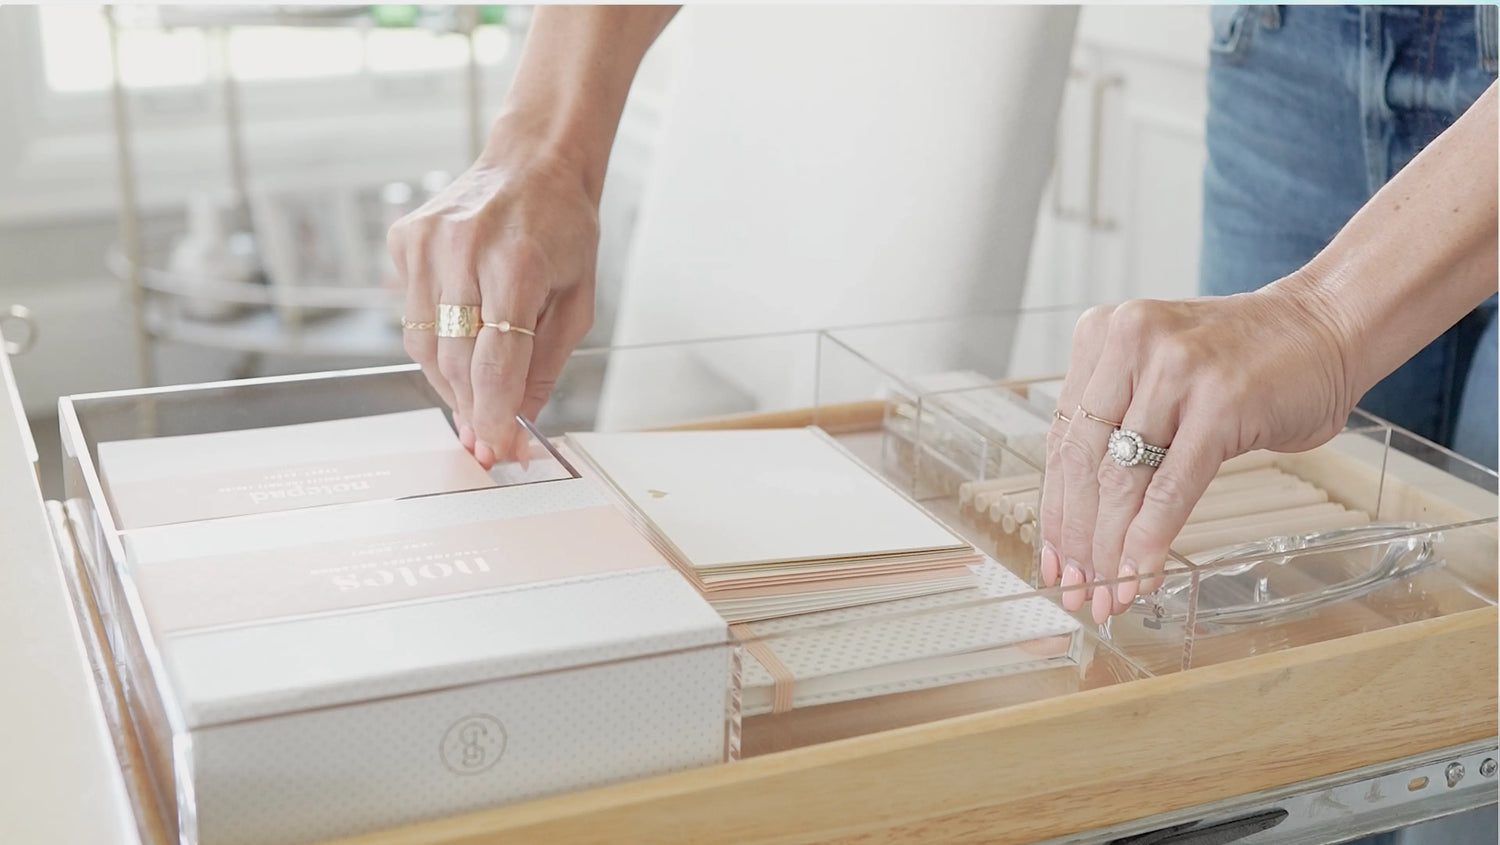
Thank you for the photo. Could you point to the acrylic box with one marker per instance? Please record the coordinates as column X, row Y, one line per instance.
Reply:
column 319, row 670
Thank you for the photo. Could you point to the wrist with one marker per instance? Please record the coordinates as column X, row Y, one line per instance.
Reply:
column 523, row 136
column 1310, row 298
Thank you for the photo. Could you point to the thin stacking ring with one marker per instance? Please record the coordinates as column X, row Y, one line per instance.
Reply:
column 1097, row 418
column 457, row 320
column 1127, row 449
column 507, row 326
column 1059, row 415
column 418, row 325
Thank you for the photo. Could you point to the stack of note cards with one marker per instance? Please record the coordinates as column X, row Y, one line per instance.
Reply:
column 325, row 672
column 992, row 629
column 163, row 480
column 777, row 522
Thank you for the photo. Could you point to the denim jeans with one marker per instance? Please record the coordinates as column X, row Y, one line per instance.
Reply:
column 1311, row 110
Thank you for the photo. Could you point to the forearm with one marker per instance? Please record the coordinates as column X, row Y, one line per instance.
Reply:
column 1417, row 257
column 571, row 84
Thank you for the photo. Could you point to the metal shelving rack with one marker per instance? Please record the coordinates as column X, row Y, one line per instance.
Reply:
column 357, row 325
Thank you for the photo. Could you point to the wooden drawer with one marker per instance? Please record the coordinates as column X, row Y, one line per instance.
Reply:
column 1000, row 769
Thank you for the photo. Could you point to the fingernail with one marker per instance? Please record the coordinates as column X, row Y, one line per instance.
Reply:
column 466, row 436
column 1073, row 577
column 484, row 454
column 523, row 448
column 1103, row 604
column 1127, row 589
column 1050, row 565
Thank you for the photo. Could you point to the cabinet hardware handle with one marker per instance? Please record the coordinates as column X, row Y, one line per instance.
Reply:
column 1059, row 209
column 1096, row 149
column 20, row 314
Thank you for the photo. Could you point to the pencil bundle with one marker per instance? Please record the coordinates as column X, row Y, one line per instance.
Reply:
column 1250, row 499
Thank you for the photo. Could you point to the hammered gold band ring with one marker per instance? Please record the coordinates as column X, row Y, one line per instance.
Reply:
column 457, row 320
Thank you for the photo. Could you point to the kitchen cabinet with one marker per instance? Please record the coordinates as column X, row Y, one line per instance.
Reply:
column 1123, row 208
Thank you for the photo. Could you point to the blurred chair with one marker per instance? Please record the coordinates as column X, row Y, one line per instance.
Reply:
column 833, row 165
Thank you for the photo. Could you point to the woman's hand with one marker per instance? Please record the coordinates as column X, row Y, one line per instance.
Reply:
column 1209, row 378
column 517, row 235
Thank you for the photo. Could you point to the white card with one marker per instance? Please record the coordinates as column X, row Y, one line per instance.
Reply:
column 750, row 496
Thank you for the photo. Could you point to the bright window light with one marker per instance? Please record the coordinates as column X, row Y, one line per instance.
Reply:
column 75, row 51
column 75, row 48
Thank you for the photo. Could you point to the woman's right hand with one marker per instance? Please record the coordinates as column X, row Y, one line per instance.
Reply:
column 516, row 234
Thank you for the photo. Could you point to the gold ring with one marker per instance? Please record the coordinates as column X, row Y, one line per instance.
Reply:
column 507, row 326
column 457, row 320
column 1097, row 418
column 417, row 325
column 1059, row 415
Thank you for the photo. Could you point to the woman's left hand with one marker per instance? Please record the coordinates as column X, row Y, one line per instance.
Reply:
column 1207, row 379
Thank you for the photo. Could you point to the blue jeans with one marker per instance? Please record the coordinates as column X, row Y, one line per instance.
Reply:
column 1311, row 110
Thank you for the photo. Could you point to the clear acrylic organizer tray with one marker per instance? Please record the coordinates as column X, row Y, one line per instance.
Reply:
column 1392, row 529
column 889, row 396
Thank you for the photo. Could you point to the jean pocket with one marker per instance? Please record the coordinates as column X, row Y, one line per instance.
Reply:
column 1231, row 31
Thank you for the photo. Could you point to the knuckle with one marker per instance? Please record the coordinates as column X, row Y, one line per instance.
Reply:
column 488, row 370
column 454, row 367
column 1167, row 494
column 1075, row 458
column 419, row 348
column 1146, row 543
column 1093, row 321
column 1115, row 482
column 395, row 244
column 490, row 426
column 1050, row 514
column 585, row 319
column 1135, row 319
column 1078, row 540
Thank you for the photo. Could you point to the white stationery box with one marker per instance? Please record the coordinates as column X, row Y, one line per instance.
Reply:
column 324, row 670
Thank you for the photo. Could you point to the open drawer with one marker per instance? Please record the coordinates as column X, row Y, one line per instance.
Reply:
column 1180, row 705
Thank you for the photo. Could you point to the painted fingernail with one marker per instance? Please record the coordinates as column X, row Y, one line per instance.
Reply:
column 1072, row 577
column 1126, row 590
column 484, row 454
column 1050, row 565
column 1103, row 604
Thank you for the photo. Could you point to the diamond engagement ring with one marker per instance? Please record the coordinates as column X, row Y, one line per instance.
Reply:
column 1127, row 449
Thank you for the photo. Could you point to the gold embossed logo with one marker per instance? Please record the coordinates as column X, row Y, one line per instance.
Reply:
column 473, row 744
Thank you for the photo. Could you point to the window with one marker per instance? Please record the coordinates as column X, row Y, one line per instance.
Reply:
column 76, row 54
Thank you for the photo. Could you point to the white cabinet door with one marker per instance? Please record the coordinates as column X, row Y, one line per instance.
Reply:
column 1125, row 203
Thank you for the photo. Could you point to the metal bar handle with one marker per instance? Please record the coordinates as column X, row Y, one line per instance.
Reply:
column 19, row 314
